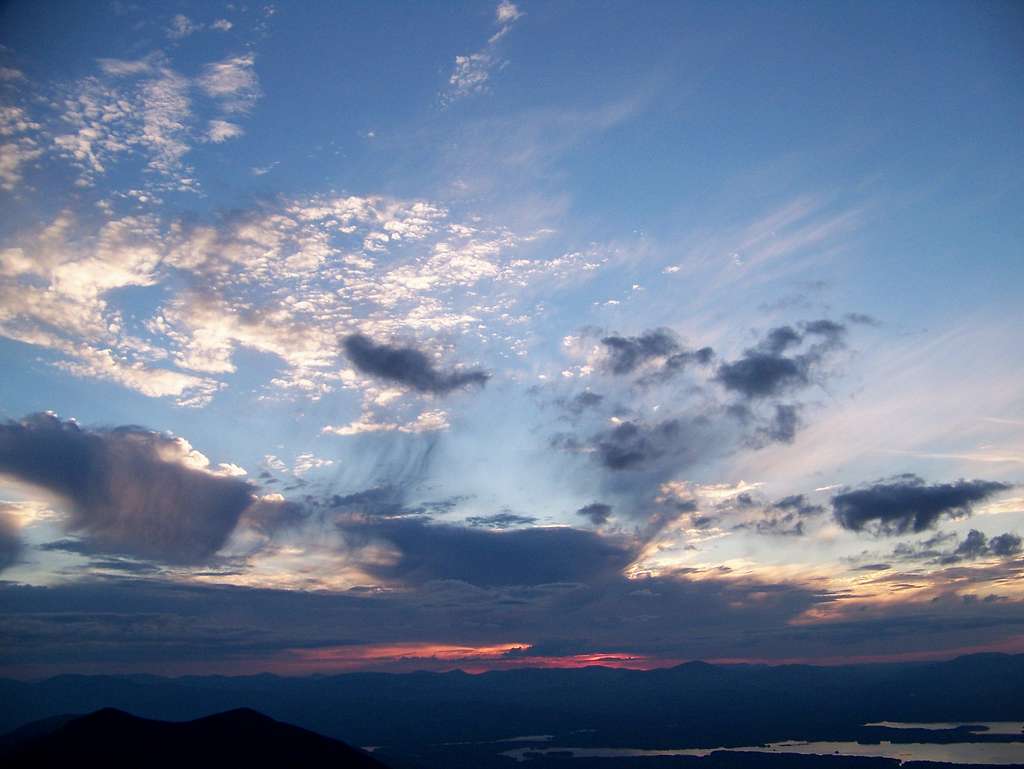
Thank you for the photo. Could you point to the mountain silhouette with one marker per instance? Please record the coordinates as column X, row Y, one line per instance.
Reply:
column 111, row 738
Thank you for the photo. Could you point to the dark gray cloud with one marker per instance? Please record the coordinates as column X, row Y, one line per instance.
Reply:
column 974, row 546
column 10, row 540
column 503, row 520
column 271, row 515
column 770, row 369
column 487, row 558
column 831, row 331
column 380, row 501
column 906, row 503
column 597, row 512
column 798, row 504
column 387, row 501
column 778, row 340
column 977, row 545
column 583, row 401
column 407, row 366
column 126, row 489
column 628, row 353
column 760, row 374
column 786, row 517
column 1005, row 545
column 67, row 625
column 637, row 445
column 685, row 615
column 782, row 426
column 862, row 318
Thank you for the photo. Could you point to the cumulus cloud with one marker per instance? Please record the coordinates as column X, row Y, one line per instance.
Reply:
column 407, row 366
column 907, row 503
column 127, row 490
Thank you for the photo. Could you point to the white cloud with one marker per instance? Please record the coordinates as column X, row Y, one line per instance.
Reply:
column 507, row 12
column 233, row 82
column 19, row 148
column 472, row 71
column 427, row 421
column 307, row 462
column 471, row 74
column 127, row 67
column 130, row 107
column 181, row 26
column 223, row 25
column 221, row 130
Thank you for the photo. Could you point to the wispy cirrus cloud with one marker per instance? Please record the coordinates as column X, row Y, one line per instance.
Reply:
column 472, row 72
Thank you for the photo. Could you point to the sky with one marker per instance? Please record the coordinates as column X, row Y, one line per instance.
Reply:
column 393, row 336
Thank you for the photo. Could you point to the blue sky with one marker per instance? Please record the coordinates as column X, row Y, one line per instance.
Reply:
column 338, row 298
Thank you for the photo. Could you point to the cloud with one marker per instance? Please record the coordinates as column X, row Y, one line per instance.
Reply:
column 759, row 374
column 766, row 370
column 407, row 366
column 627, row 354
column 490, row 558
column 787, row 516
column 10, row 540
column 221, row 130
column 181, row 26
column 583, row 401
column 233, row 82
column 597, row 512
column 500, row 520
column 473, row 71
column 783, row 425
column 977, row 545
column 507, row 12
column 798, row 504
column 1005, row 545
column 18, row 148
column 634, row 445
column 906, row 503
column 127, row 490
column 290, row 278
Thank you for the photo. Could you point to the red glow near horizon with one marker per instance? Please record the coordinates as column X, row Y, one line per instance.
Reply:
column 445, row 657
column 435, row 657
column 481, row 659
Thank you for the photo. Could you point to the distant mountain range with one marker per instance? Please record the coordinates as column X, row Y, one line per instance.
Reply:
column 111, row 739
column 419, row 718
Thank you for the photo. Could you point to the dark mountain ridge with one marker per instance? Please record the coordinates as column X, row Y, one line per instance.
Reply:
column 113, row 738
